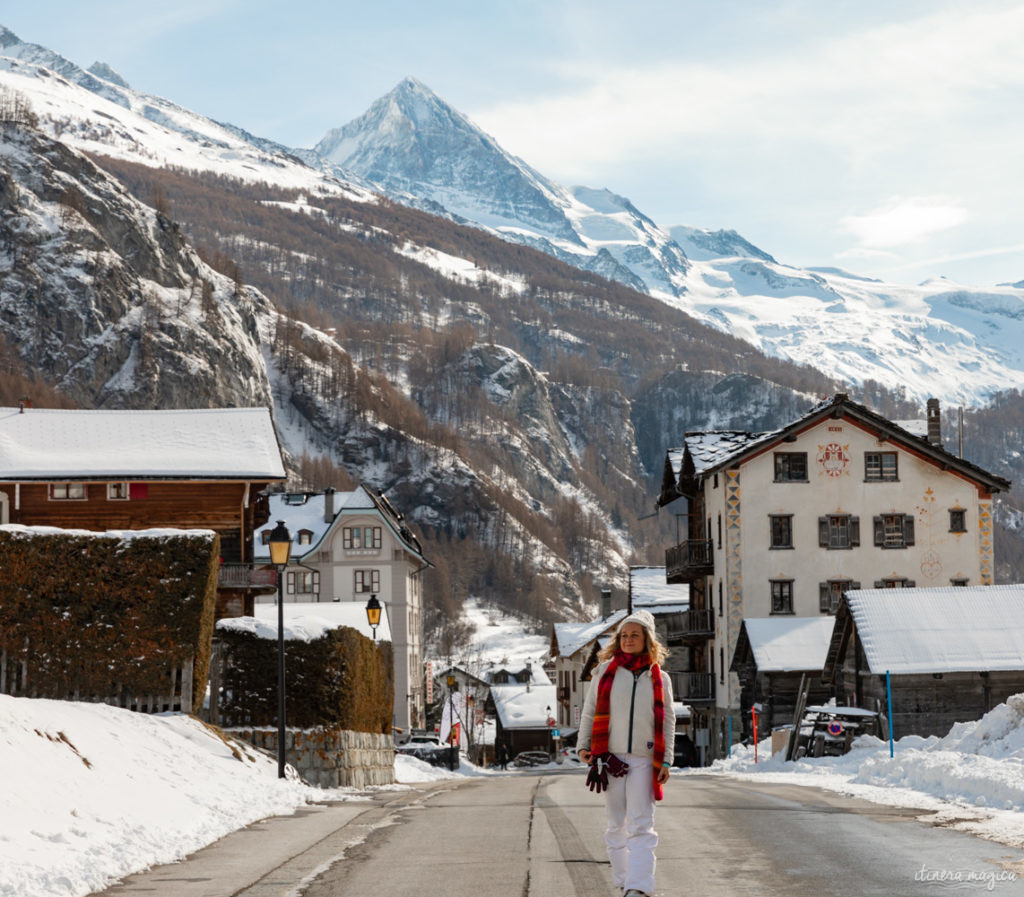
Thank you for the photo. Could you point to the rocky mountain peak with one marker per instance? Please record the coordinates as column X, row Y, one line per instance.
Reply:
column 104, row 71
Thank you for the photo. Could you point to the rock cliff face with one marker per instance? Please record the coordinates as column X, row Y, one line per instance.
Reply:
column 102, row 295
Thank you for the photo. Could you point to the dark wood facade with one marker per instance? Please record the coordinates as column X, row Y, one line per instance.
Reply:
column 231, row 508
column 922, row 703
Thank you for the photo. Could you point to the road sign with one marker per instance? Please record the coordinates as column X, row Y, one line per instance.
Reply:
column 556, row 733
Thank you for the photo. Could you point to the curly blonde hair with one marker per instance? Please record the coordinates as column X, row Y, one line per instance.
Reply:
column 652, row 647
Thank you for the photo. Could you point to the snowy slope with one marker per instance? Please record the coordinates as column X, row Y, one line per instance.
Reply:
column 107, row 117
column 959, row 343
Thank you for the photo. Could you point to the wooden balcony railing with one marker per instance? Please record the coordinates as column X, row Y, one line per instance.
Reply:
column 246, row 576
column 688, row 560
column 693, row 688
column 694, row 624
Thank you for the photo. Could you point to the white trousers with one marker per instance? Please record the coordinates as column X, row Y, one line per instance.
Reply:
column 630, row 836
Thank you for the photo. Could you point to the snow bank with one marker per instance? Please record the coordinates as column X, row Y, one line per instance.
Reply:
column 94, row 793
column 977, row 768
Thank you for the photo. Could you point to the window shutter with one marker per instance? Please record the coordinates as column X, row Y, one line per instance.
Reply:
column 137, row 491
column 316, row 582
column 908, row 529
column 854, row 532
column 879, row 533
column 291, row 582
column 823, row 532
column 823, row 597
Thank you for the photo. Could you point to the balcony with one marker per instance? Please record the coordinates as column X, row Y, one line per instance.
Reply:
column 246, row 576
column 693, row 688
column 689, row 560
column 693, row 626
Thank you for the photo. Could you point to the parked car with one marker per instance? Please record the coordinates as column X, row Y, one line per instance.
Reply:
column 828, row 731
column 532, row 758
column 428, row 738
column 569, row 756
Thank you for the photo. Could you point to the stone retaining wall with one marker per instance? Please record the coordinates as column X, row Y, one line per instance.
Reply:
column 331, row 758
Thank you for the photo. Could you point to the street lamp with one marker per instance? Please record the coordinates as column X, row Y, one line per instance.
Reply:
column 373, row 614
column 280, row 551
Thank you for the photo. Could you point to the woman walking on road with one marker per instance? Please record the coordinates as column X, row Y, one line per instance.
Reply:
column 627, row 733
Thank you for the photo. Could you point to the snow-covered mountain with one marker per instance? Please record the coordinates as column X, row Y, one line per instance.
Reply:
column 412, row 143
column 939, row 338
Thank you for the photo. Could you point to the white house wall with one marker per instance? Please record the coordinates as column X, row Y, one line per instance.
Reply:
column 745, row 564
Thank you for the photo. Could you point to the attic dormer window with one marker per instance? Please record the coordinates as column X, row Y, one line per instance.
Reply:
column 305, row 536
column 265, row 537
column 295, row 499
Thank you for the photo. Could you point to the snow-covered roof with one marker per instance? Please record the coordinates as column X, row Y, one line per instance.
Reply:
column 206, row 443
column 785, row 644
column 521, row 709
column 571, row 637
column 711, row 448
column 940, row 630
column 306, row 511
column 306, row 621
column 650, row 591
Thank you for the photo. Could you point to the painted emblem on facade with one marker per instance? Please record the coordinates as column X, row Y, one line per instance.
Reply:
column 834, row 459
column 931, row 565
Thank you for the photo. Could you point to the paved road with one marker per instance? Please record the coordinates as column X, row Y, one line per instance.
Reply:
column 540, row 835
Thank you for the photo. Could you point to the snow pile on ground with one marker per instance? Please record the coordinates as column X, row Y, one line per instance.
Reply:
column 973, row 775
column 92, row 793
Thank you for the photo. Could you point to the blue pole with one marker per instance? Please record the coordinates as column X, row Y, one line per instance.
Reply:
column 888, row 698
column 730, row 733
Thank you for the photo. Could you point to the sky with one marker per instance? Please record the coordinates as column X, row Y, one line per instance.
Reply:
column 881, row 136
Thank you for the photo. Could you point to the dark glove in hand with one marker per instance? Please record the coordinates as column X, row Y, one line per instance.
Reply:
column 597, row 778
column 616, row 767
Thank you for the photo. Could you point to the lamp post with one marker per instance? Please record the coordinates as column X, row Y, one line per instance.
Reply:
column 280, row 551
column 373, row 614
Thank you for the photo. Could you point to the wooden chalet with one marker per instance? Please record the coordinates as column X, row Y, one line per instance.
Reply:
column 128, row 470
column 773, row 655
column 952, row 653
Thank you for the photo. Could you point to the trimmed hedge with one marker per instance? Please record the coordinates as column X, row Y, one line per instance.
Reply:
column 342, row 679
column 99, row 615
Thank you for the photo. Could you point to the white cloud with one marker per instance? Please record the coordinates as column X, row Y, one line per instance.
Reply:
column 904, row 220
column 861, row 93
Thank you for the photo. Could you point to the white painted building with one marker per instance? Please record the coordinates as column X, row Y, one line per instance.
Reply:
column 784, row 523
column 347, row 546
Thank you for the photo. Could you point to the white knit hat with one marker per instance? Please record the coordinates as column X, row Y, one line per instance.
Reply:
column 642, row 618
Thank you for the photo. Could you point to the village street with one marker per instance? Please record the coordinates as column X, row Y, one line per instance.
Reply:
column 540, row 835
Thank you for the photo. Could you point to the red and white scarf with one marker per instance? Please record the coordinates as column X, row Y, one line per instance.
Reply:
column 602, row 709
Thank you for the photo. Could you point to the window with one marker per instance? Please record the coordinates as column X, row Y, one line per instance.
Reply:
column 830, row 592
column 265, row 537
column 721, row 600
column 715, row 480
column 67, row 491
column 894, row 530
column 880, row 466
column 364, row 537
column 957, row 520
column 791, row 467
column 367, row 580
column 895, row 582
column 117, row 492
column 960, row 582
column 781, row 526
column 782, row 596
column 721, row 665
column 837, row 531
column 305, row 536
column 303, row 582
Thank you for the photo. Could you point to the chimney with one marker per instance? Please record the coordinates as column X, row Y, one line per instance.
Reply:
column 606, row 603
column 329, row 504
column 934, row 423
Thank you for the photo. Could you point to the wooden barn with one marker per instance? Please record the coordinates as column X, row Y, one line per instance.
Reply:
column 127, row 470
column 952, row 653
column 772, row 655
